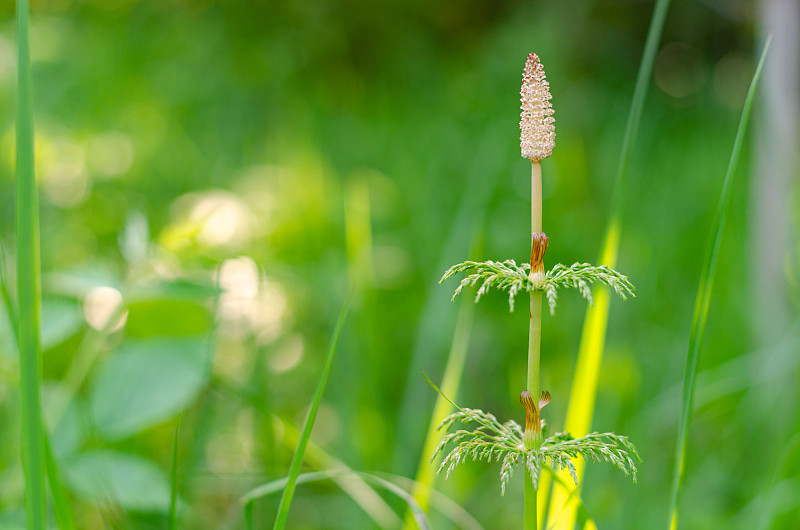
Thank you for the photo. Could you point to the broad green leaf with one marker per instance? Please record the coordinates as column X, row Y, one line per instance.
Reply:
column 126, row 480
column 147, row 382
column 63, row 419
column 167, row 317
column 61, row 319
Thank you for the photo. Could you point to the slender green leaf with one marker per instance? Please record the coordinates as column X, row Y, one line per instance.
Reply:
column 297, row 459
column 28, row 288
column 587, row 369
column 703, row 299
column 173, row 499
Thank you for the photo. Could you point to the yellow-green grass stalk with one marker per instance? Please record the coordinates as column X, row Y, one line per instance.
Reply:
column 297, row 459
column 426, row 470
column 28, row 289
column 590, row 354
column 703, row 299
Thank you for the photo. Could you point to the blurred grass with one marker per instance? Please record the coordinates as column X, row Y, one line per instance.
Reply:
column 583, row 393
column 160, row 166
column 704, row 290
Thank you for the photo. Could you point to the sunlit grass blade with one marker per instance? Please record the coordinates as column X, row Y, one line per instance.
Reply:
column 703, row 298
column 297, row 459
column 585, row 520
column 173, row 498
column 277, row 485
column 65, row 518
column 590, row 354
column 28, row 289
column 426, row 471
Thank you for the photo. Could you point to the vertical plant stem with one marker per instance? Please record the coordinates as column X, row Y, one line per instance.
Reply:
column 534, row 342
column 534, row 347
column 536, row 197
column 28, row 289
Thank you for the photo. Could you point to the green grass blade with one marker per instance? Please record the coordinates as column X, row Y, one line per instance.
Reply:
column 297, row 459
column 173, row 499
column 65, row 518
column 580, row 410
column 703, row 299
column 283, row 484
column 62, row 508
column 28, row 289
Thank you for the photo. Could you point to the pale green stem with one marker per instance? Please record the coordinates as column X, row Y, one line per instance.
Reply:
column 531, row 521
column 534, row 343
column 536, row 198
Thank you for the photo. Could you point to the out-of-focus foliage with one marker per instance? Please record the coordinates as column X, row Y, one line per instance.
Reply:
column 215, row 176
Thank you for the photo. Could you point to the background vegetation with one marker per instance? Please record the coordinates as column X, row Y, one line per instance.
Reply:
column 216, row 176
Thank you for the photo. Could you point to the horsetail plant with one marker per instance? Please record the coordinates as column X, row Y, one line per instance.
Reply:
column 508, row 443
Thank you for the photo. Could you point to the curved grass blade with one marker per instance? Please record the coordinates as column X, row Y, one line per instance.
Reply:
column 460, row 517
column 297, row 459
column 277, row 485
column 587, row 370
column 362, row 493
column 703, row 299
column 28, row 289
column 173, row 498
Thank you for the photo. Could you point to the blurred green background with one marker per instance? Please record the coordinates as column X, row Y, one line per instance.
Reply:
column 216, row 175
